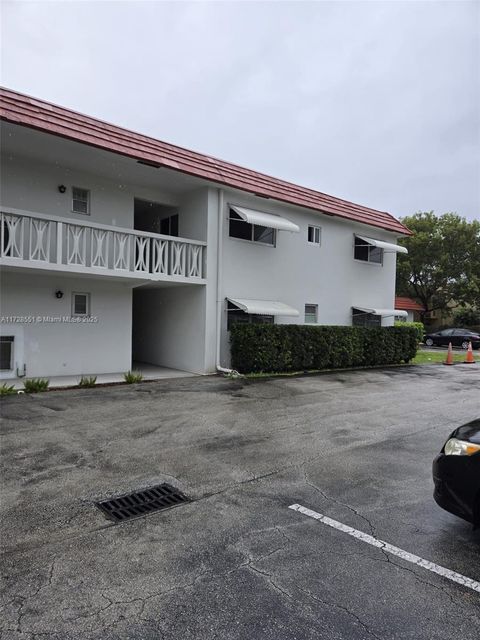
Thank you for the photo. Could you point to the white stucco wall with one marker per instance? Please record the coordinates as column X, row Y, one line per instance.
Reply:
column 30, row 185
column 56, row 349
column 176, row 326
column 169, row 327
column 298, row 273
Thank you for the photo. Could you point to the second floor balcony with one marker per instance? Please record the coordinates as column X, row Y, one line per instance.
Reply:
column 37, row 241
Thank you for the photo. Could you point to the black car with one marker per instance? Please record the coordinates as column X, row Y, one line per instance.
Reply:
column 458, row 338
column 456, row 473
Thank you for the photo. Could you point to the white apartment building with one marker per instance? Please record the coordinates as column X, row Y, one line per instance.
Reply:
column 118, row 248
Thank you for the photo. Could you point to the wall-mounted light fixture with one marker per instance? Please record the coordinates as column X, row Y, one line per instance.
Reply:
column 62, row 188
column 59, row 294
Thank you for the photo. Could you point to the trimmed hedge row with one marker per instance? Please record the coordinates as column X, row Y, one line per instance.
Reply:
column 419, row 326
column 276, row 348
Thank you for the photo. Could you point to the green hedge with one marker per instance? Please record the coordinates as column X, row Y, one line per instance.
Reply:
column 275, row 348
column 419, row 326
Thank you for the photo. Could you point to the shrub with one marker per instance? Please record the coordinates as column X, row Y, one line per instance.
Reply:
column 274, row 348
column 419, row 326
column 7, row 390
column 132, row 376
column 87, row 381
column 35, row 385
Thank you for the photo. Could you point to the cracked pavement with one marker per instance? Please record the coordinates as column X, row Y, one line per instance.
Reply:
column 236, row 563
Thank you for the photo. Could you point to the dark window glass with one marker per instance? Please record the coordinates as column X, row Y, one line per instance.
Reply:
column 169, row 225
column 237, row 315
column 264, row 234
column 174, row 225
column 261, row 319
column 367, row 252
column 165, row 226
column 240, row 229
column 80, row 304
column 314, row 234
column 375, row 255
column 80, row 200
column 311, row 313
column 362, row 319
column 361, row 252
column 6, row 352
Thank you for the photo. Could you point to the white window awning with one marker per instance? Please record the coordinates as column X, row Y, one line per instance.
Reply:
column 264, row 307
column 265, row 219
column 385, row 313
column 386, row 246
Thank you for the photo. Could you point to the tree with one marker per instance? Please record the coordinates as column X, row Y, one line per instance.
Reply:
column 442, row 267
column 467, row 317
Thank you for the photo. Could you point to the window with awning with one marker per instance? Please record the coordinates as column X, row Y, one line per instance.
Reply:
column 370, row 317
column 257, row 311
column 371, row 250
column 257, row 226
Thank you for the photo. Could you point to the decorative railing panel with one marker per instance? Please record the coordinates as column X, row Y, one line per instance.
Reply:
column 79, row 246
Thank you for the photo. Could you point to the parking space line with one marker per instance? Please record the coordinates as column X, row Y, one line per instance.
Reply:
column 389, row 548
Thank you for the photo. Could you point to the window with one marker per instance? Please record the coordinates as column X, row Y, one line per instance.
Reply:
column 253, row 232
column 169, row 226
column 81, row 201
column 6, row 353
column 367, row 252
column 311, row 313
column 234, row 314
column 80, row 304
column 364, row 319
column 314, row 235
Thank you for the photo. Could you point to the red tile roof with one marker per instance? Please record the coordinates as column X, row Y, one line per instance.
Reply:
column 407, row 304
column 44, row 116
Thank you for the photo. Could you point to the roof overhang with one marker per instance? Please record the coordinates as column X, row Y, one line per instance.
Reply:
column 385, row 313
column 265, row 219
column 264, row 307
column 386, row 246
column 33, row 113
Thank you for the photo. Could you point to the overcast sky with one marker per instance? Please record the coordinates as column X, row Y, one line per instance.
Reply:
column 376, row 102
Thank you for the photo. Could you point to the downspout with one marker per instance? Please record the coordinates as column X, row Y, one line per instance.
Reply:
column 219, row 285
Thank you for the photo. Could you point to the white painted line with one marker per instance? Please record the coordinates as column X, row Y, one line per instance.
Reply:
column 389, row 548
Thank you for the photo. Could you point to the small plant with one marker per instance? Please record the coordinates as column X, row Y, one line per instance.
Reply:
column 132, row 376
column 7, row 390
column 35, row 385
column 87, row 381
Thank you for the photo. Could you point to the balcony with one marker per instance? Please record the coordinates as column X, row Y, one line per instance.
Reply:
column 37, row 241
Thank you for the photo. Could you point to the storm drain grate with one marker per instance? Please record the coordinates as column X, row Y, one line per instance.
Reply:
column 142, row 503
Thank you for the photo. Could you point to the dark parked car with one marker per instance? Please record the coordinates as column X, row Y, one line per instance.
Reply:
column 458, row 338
column 456, row 473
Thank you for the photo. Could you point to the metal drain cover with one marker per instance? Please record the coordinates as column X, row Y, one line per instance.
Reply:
column 141, row 503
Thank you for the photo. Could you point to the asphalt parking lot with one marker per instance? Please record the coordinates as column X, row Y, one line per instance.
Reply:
column 235, row 562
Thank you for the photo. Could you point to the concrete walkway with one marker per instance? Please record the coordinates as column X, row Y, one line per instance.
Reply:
column 148, row 371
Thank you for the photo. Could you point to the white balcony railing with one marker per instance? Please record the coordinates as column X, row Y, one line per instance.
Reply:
column 71, row 245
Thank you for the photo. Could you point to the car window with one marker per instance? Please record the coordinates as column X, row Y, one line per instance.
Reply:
column 445, row 332
column 460, row 332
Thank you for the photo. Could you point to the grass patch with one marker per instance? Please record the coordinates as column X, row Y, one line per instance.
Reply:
column 436, row 357
column 87, row 381
column 36, row 385
column 132, row 376
column 7, row 390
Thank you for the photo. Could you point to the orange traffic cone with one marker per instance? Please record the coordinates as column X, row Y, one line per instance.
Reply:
column 449, row 359
column 469, row 359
